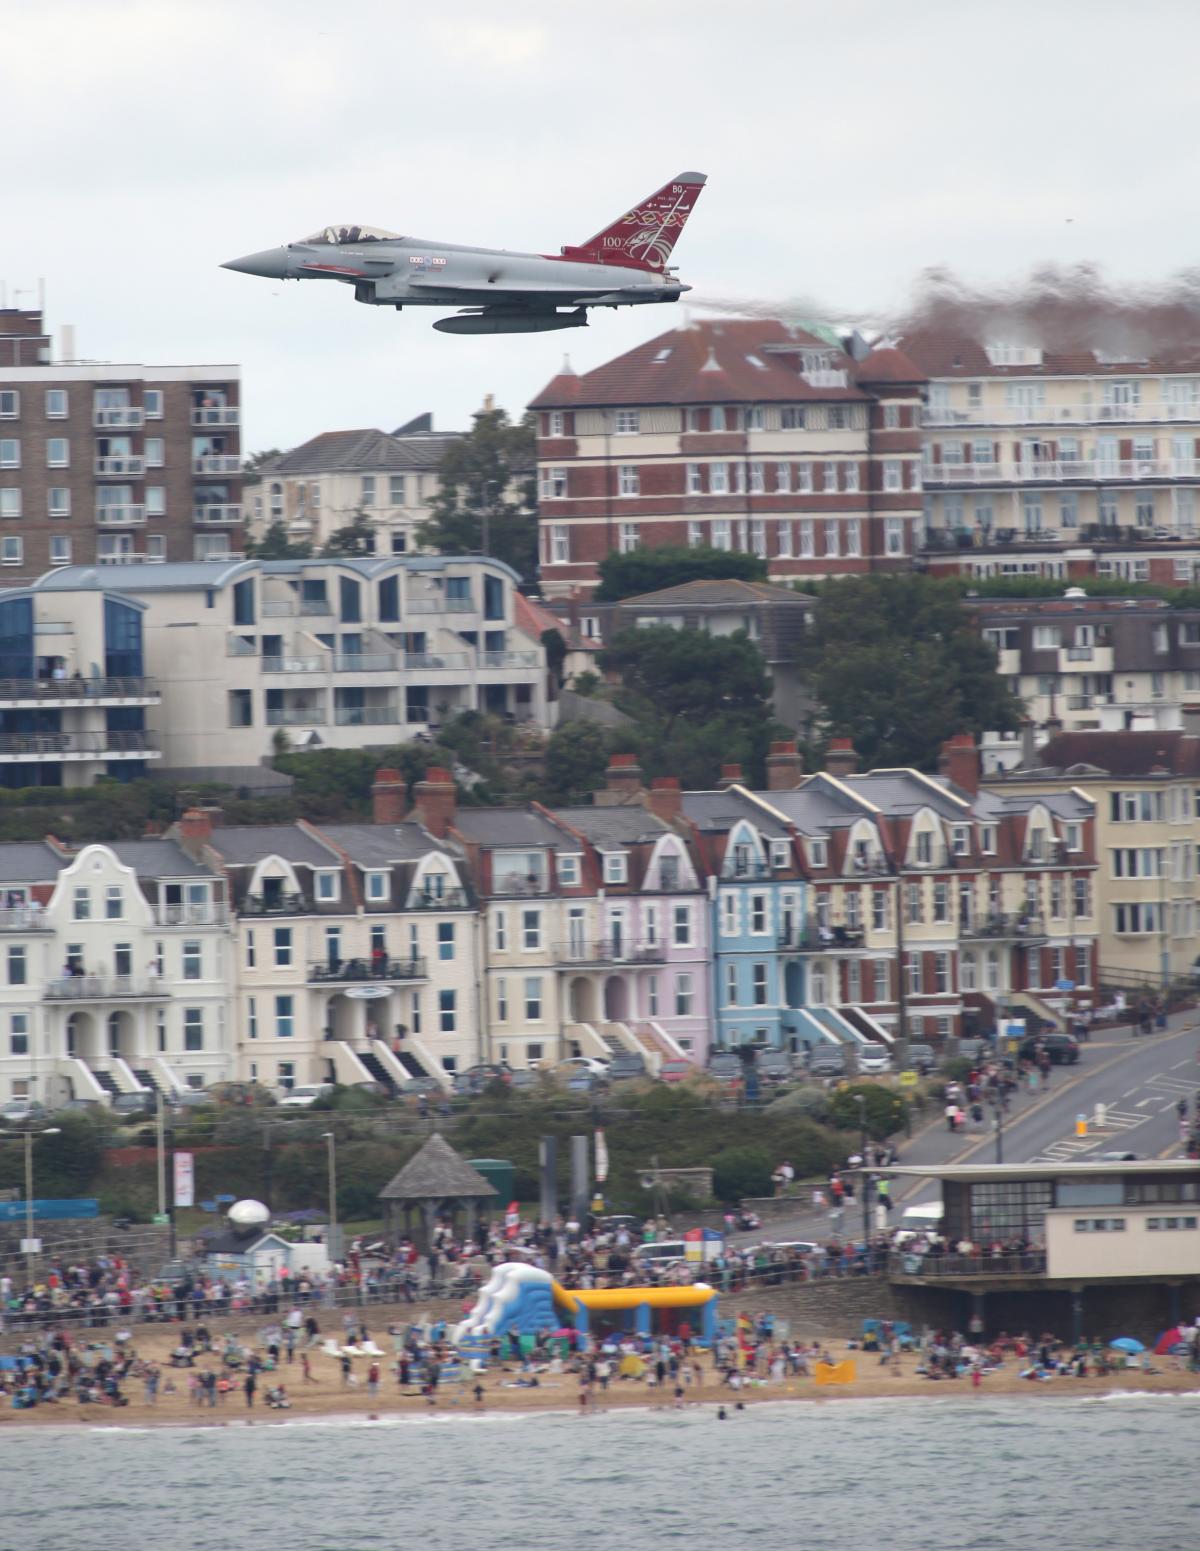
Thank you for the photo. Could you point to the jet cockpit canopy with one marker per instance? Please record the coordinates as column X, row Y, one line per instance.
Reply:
column 337, row 236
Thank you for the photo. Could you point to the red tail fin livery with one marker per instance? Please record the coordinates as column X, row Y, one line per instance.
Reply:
column 643, row 238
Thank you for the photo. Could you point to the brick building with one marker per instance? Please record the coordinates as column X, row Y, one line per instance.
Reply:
column 754, row 436
column 105, row 463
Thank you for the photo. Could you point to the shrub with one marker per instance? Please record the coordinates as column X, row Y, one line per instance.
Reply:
column 741, row 1171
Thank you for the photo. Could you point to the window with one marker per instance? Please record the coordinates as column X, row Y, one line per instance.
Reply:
column 533, row 998
column 18, row 1034
column 1168, row 1224
column 681, row 919
column 193, row 1028
column 758, row 478
column 883, row 980
column 502, row 999
column 531, row 930
column 913, row 970
column 941, row 973
column 759, row 982
column 831, row 476
column 914, row 911
column 446, row 1011
column 251, row 956
column 367, row 492
column 58, row 501
column 1082, row 896
column 10, row 502
column 445, row 939
column 652, row 997
column 568, row 872
column 152, row 403
column 628, row 480
column 56, row 404
column 729, row 914
column 941, row 903
column 831, row 537
column 283, row 946
column 850, row 475
column 987, row 839
column 893, row 474
column 781, row 853
column 192, row 960
column 156, row 500
column 553, row 484
column 58, row 453
column 285, row 1023
column 718, row 478
column 114, row 902
column 560, row 544
column 377, row 887
column 854, row 538
column 627, row 537
column 628, row 422
column 500, row 931
column 241, row 710
column 10, row 404
column 1136, row 920
column 16, row 966
column 893, row 536
column 791, row 417
column 12, row 551
column 329, row 886
column 879, row 910
column 10, row 452
column 756, row 416
column 81, row 905
column 683, row 996
column 818, row 853
column 891, row 417
column 758, row 913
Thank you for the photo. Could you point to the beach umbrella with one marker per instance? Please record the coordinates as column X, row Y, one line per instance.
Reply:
column 1168, row 1341
column 1127, row 1344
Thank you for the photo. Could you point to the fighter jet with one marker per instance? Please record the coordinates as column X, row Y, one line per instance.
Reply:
column 499, row 292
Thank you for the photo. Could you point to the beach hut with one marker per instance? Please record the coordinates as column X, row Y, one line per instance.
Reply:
column 438, row 1182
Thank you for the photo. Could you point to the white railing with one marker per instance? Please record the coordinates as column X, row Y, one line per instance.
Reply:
column 285, row 716
column 1057, row 470
column 191, row 915
column 126, row 418
column 1061, row 414
column 216, row 514
column 366, row 716
column 508, row 659
column 433, row 662
column 216, row 463
column 295, row 664
column 120, row 516
column 121, row 463
column 215, row 414
column 364, row 662
column 425, row 606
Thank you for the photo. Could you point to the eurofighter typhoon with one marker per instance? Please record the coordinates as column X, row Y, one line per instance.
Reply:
column 498, row 292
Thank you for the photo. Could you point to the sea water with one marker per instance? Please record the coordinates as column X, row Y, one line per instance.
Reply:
column 905, row 1475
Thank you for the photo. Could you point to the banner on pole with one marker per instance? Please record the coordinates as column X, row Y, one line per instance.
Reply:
column 601, row 1166
column 185, row 1179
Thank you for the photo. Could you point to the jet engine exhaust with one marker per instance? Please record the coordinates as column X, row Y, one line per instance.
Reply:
column 512, row 322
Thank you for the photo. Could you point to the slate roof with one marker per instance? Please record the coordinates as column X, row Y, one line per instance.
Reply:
column 617, row 826
column 333, row 451
column 437, row 1173
column 715, row 593
column 379, row 845
column 29, row 861
column 246, row 844
column 502, row 827
column 1133, row 754
column 158, row 859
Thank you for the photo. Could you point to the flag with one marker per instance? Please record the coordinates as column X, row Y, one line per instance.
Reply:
column 601, row 1158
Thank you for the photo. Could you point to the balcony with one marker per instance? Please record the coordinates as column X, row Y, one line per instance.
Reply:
column 76, row 745
column 48, row 692
column 217, row 463
column 213, row 914
column 425, row 606
column 124, row 418
column 831, row 940
column 289, row 608
column 291, row 664
column 435, row 662
column 1060, row 471
column 1018, row 927
column 357, row 971
column 734, row 871
column 509, row 659
column 513, row 885
column 275, row 905
column 366, row 716
column 215, row 514
column 288, row 716
column 215, row 414
column 461, row 606
column 610, row 951
column 979, row 1268
column 120, row 466
column 448, row 899
column 24, row 918
column 365, row 662
column 120, row 516
column 1062, row 414
column 104, row 988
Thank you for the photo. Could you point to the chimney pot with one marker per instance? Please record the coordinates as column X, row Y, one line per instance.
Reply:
column 731, row 775
column 841, row 758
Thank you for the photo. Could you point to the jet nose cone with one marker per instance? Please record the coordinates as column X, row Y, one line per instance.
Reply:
column 271, row 264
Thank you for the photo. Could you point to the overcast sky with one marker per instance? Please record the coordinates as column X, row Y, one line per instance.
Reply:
column 848, row 147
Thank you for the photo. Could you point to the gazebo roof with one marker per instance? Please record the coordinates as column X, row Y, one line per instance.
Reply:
column 437, row 1173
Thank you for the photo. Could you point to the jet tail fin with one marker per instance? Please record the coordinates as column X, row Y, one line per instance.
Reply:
column 643, row 237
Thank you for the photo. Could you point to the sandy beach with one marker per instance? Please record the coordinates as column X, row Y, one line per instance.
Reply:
column 327, row 1397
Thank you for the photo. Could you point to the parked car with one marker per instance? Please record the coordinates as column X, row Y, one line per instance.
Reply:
column 82, row 1107
column 666, row 1252
column 725, row 1067
column 582, row 1064
column 522, row 1079
column 827, row 1063
column 873, row 1060
column 193, row 1098
column 923, row 1059
column 23, row 1112
column 677, row 1071
column 626, row 1064
column 585, row 1082
column 417, row 1085
column 134, row 1106
column 774, row 1065
column 304, row 1095
column 974, row 1049
column 1063, row 1049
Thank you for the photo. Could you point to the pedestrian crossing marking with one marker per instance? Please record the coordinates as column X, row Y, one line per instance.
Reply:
column 1173, row 1085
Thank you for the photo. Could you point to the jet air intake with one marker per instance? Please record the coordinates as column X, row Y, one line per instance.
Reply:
column 495, row 321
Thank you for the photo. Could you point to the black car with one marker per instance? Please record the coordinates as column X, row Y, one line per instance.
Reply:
column 774, row 1065
column 1062, row 1049
column 626, row 1064
column 922, row 1058
column 827, row 1063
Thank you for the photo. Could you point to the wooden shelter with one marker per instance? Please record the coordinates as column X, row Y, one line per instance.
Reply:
column 439, row 1183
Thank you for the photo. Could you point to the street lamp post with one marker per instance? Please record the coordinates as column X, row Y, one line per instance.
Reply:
column 333, row 1222
column 864, row 1178
column 998, row 1114
column 30, row 1253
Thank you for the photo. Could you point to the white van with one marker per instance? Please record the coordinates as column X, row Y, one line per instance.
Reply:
column 667, row 1252
column 928, row 1214
column 873, row 1060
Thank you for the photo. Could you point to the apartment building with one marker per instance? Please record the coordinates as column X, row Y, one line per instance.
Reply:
column 116, row 974
column 1145, row 789
column 761, row 437
column 104, row 463
column 326, row 482
column 340, row 653
column 1047, row 457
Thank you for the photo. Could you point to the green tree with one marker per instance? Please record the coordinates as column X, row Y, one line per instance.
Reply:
column 488, row 474
column 741, row 1171
column 648, row 570
column 897, row 665
column 357, row 537
column 576, row 757
column 883, row 1110
column 255, row 463
column 697, row 700
column 275, row 545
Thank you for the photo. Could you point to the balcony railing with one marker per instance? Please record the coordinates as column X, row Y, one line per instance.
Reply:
column 425, row 606
column 435, row 662
column 366, row 716
column 1060, row 471
column 448, row 899
column 511, row 884
column 214, row 513
column 996, row 926
column 834, row 939
column 288, row 716
column 215, row 914
column 732, row 870
column 610, row 951
column 216, row 463
column 353, row 971
column 123, row 466
column 288, row 608
column 120, row 516
column 48, row 690
column 1029, row 1263
column 1061, row 414
column 104, row 988
column 126, row 417
column 461, row 606
column 23, row 918
column 48, row 744
column 275, row 905
column 291, row 664
column 509, row 659
column 215, row 414
column 364, row 662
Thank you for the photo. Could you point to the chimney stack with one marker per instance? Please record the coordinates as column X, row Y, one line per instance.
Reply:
column 731, row 775
column 840, row 758
column 665, row 799
column 1028, row 742
column 195, row 830
column 785, row 767
column 622, row 782
column 959, row 761
column 436, row 801
column 389, row 797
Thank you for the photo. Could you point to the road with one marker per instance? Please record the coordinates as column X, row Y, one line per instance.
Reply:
column 1139, row 1081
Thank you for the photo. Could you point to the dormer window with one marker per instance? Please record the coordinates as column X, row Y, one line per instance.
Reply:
column 376, row 885
column 628, row 422
column 329, row 887
column 568, row 872
column 924, row 848
column 1037, row 845
column 818, row 853
column 616, row 867
column 781, row 853
column 1074, row 837
column 960, row 840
